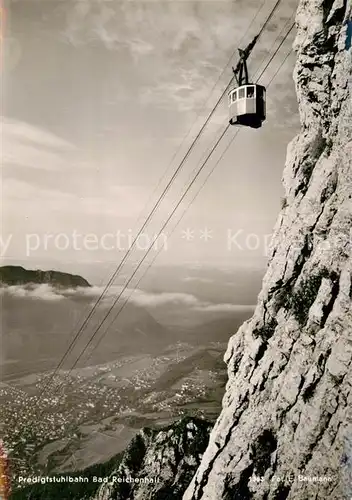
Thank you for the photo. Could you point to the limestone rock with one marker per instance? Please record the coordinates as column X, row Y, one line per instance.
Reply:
column 160, row 463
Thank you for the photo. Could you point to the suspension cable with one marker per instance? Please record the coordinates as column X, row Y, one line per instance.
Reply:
column 111, row 280
column 107, row 314
column 201, row 187
column 196, row 194
column 150, row 216
column 189, row 205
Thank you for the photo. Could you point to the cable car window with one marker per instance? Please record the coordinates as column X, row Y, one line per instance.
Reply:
column 241, row 93
column 250, row 91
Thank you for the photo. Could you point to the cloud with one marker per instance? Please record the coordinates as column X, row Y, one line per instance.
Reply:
column 13, row 189
column 124, row 200
column 27, row 132
column 224, row 308
column 178, row 48
column 188, row 89
column 138, row 297
column 165, row 298
column 41, row 292
column 26, row 145
column 140, row 47
column 31, row 158
column 24, row 197
column 199, row 279
column 117, row 201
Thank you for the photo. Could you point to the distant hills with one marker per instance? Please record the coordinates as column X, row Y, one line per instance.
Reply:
column 17, row 275
column 35, row 332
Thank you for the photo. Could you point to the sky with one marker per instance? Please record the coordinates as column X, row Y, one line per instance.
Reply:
column 98, row 98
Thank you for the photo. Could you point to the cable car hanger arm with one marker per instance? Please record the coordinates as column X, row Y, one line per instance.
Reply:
column 241, row 71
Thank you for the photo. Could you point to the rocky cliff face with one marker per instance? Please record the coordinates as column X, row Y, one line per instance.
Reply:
column 160, row 462
column 285, row 430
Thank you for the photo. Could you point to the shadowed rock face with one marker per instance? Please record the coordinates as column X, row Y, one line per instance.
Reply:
column 17, row 275
column 287, row 408
column 169, row 457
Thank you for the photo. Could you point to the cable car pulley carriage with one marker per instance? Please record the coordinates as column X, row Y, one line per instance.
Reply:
column 247, row 106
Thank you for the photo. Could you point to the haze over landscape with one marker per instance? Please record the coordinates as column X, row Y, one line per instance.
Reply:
column 161, row 358
column 98, row 97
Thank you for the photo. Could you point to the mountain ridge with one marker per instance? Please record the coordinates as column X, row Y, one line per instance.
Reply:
column 18, row 275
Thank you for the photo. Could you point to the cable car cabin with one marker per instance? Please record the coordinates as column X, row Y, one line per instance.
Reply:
column 247, row 105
